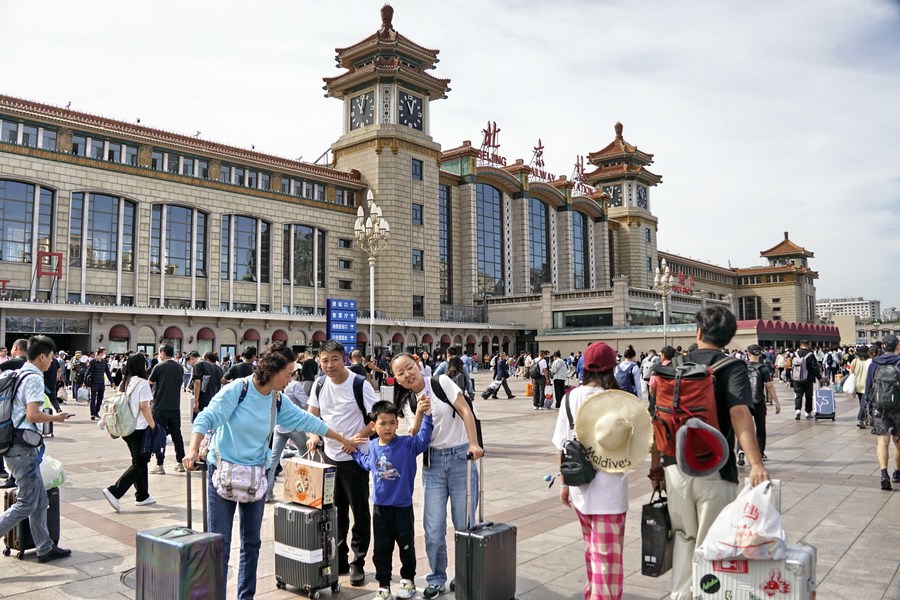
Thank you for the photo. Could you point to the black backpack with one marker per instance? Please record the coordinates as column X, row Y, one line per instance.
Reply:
column 9, row 386
column 442, row 396
column 536, row 372
column 757, row 387
column 886, row 388
column 88, row 377
column 575, row 468
column 358, row 382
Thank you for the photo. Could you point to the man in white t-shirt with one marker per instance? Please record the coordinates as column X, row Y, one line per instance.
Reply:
column 333, row 399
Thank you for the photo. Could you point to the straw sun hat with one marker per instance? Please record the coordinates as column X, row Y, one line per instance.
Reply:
column 614, row 428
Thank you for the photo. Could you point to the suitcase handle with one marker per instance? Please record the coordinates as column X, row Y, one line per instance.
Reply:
column 200, row 466
column 470, row 525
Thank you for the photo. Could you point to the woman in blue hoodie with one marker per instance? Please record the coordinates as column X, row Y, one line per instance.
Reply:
column 241, row 415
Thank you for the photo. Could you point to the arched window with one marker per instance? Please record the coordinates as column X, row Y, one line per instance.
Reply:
column 19, row 203
column 538, row 244
column 489, row 219
column 181, row 247
column 244, row 249
column 580, row 251
column 95, row 228
column 299, row 252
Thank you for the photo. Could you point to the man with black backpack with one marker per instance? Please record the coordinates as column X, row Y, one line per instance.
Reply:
column 883, row 395
column 760, row 385
column 696, row 500
column 804, row 372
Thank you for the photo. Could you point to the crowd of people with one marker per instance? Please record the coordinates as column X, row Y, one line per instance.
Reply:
column 259, row 405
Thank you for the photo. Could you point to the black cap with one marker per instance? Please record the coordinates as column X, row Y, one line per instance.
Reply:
column 754, row 349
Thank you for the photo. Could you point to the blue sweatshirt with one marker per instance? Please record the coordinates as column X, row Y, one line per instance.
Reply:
column 394, row 465
column 244, row 434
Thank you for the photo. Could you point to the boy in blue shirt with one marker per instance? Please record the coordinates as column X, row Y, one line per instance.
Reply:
column 392, row 462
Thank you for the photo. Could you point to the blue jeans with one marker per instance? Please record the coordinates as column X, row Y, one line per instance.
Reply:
column 221, row 519
column 24, row 464
column 278, row 443
column 445, row 479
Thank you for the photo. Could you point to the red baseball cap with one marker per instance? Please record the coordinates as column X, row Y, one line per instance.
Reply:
column 599, row 357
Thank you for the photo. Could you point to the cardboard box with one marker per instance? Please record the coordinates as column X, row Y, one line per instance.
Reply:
column 793, row 578
column 308, row 482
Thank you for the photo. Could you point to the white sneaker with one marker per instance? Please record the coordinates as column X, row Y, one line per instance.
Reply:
column 407, row 589
column 146, row 501
column 158, row 470
column 113, row 501
column 179, row 468
column 383, row 594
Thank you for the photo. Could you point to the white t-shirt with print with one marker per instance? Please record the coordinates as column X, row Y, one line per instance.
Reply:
column 449, row 430
column 339, row 410
column 607, row 493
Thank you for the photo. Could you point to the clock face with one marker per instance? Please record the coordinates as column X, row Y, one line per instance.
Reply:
column 641, row 196
column 410, row 111
column 362, row 110
column 615, row 194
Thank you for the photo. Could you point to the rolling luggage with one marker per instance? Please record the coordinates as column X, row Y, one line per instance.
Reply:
column 305, row 548
column 485, row 554
column 793, row 578
column 19, row 537
column 176, row 563
column 47, row 430
column 824, row 404
column 492, row 388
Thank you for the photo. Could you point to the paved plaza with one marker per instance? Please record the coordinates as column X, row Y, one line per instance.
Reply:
column 831, row 499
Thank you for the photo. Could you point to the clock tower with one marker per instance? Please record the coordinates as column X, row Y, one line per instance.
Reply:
column 621, row 172
column 387, row 93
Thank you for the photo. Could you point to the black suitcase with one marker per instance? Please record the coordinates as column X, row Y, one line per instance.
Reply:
column 19, row 537
column 305, row 548
column 485, row 554
column 177, row 563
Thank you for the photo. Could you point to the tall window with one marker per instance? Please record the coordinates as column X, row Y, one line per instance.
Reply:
column 302, row 258
column 417, row 167
column 489, row 255
column 749, row 308
column 445, row 235
column 18, row 202
column 538, row 244
column 239, row 251
column 180, row 251
column 417, row 213
column 100, row 245
column 580, row 251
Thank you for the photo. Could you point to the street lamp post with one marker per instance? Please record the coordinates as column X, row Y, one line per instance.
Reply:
column 662, row 283
column 372, row 233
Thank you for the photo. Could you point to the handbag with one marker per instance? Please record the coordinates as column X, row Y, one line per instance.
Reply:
column 242, row 483
column 575, row 468
column 657, row 540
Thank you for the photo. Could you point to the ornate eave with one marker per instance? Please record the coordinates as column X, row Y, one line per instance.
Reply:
column 786, row 248
column 466, row 150
column 620, row 171
column 386, row 68
column 619, row 150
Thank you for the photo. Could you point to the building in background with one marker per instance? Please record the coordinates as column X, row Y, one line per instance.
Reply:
column 866, row 310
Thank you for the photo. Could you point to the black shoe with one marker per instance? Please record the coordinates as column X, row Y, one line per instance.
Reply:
column 357, row 576
column 54, row 554
column 896, row 477
column 93, row 417
column 764, row 457
column 9, row 483
column 886, row 483
column 4, row 474
column 861, row 425
column 510, row 397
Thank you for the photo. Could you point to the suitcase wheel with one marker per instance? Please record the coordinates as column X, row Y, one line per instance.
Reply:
column 452, row 585
column 20, row 555
column 280, row 584
column 315, row 595
column 6, row 552
column 335, row 587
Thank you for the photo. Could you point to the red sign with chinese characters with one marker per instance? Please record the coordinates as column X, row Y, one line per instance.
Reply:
column 685, row 284
column 490, row 145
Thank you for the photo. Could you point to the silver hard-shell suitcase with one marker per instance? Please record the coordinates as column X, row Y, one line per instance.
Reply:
column 305, row 548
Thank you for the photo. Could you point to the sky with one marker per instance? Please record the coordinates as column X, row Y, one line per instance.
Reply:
column 763, row 117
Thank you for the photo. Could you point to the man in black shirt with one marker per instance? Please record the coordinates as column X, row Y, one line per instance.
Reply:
column 166, row 379
column 356, row 363
column 207, row 381
column 243, row 368
column 309, row 371
column 98, row 368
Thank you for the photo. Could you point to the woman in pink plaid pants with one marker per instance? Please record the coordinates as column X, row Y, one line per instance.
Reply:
column 601, row 504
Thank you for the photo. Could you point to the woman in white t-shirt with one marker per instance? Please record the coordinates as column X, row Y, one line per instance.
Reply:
column 444, row 476
column 601, row 504
column 134, row 383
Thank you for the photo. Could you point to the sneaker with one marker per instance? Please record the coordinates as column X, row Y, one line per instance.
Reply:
column 764, row 457
column 358, row 577
column 433, row 591
column 861, row 424
column 158, row 470
column 407, row 589
column 113, row 501
column 55, row 553
column 146, row 501
column 797, row 416
column 536, row 408
column 179, row 468
column 809, row 415
column 886, row 483
column 896, row 477
column 741, row 461
column 383, row 594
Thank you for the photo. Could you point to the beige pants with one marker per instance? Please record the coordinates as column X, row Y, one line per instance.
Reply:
column 694, row 503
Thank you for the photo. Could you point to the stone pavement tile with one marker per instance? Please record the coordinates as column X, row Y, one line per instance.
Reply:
column 44, row 594
column 25, row 580
column 851, row 588
column 108, row 586
column 878, row 569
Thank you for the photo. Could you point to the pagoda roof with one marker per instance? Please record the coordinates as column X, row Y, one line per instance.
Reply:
column 620, row 150
column 786, row 248
column 80, row 121
column 386, row 54
column 621, row 171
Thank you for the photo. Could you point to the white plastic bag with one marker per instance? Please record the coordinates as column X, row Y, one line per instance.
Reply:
column 848, row 383
column 749, row 528
column 52, row 472
column 84, row 395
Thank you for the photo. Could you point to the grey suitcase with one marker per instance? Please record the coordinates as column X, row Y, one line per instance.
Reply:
column 177, row 563
column 305, row 548
column 485, row 555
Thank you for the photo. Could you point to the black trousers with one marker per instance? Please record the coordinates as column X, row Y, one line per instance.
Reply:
column 171, row 422
column 759, row 417
column 136, row 474
column 97, row 391
column 559, row 388
column 505, row 387
column 351, row 493
column 537, row 394
column 394, row 524
column 801, row 391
